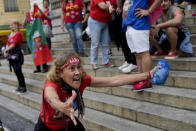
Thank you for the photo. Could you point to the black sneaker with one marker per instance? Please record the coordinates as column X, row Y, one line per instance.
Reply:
column 44, row 70
column 23, row 90
column 83, row 54
column 17, row 90
column 36, row 71
column 1, row 126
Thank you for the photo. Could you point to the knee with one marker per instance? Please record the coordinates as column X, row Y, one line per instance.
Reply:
column 78, row 33
column 71, row 33
column 171, row 30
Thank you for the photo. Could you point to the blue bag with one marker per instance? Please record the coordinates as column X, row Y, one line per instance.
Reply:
column 160, row 76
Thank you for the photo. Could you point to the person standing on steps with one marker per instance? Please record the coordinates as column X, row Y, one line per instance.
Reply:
column 100, row 15
column 136, row 23
column 15, row 56
column 120, row 39
column 41, row 54
column 63, row 89
column 71, row 19
column 173, row 26
column 46, row 17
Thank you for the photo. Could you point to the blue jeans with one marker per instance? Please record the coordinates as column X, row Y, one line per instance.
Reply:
column 186, row 46
column 75, row 31
column 99, row 35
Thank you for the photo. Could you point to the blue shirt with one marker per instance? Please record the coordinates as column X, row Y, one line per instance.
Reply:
column 132, row 20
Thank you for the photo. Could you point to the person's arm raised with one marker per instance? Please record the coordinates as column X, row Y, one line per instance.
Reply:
column 66, row 107
column 120, row 80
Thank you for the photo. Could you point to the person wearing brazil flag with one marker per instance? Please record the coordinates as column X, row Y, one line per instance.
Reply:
column 71, row 19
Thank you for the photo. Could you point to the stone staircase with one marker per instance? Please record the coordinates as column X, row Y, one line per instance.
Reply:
column 170, row 107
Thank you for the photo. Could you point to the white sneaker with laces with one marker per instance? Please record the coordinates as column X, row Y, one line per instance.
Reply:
column 129, row 68
column 125, row 64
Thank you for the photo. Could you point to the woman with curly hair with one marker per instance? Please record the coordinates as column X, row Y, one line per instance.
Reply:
column 63, row 89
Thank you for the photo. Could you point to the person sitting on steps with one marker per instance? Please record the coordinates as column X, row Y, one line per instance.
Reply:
column 172, row 23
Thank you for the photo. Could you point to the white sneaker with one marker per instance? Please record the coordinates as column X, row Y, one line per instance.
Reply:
column 129, row 68
column 123, row 65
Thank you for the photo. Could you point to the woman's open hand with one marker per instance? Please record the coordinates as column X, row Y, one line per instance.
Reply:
column 62, row 28
column 68, row 107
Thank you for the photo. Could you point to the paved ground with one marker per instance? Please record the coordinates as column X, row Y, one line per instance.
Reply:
column 11, row 121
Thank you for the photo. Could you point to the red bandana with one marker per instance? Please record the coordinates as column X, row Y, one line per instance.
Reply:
column 73, row 60
column 15, row 22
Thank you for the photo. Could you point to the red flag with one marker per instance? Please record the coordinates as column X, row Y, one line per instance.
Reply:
column 42, row 55
column 155, row 15
column 36, row 13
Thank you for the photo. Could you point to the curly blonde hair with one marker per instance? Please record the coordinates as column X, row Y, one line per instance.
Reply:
column 54, row 72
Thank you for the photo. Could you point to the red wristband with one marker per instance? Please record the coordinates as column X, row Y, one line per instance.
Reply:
column 149, row 73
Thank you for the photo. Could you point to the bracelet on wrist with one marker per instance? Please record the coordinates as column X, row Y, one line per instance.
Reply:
column 148, row 75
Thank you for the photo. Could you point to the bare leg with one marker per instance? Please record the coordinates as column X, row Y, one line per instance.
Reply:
column 139, row 62
column 172, row 36
column 146, row 61
column 155, row 43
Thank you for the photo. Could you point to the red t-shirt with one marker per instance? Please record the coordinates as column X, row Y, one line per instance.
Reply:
column 99, row 14
column 73, row 11
column 53, row 118
column 45, row 20
column 15, row 40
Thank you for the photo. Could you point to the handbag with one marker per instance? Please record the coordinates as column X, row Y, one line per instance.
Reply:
column 47, row 31
column 13, row 57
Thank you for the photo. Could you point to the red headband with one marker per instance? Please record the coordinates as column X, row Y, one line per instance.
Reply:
column 15, row 22
column 73, row 60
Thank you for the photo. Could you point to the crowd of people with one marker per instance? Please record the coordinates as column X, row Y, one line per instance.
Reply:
column 127, row 23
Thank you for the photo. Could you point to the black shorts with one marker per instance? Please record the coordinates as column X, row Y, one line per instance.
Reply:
column 165, row 45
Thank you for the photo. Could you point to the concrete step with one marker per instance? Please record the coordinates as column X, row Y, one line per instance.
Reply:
column 106, row 122
column 64, row 37
column 190, row 20
column 56, row 21
column 30, row 99
column 183, row 79
column 175, row 97
column 193, row 39
column 29, row 115
column 86, row 44
column 13, row 122
column 57, row 29
column 189, row 13
column 192, row 29
column 115, row 51
column 58, row 51
column 163, row 117
column 179, row 64
column 165, row 95
column 102, row 120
